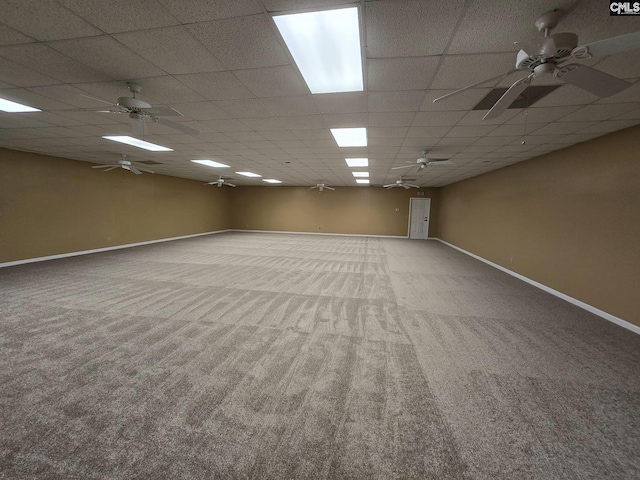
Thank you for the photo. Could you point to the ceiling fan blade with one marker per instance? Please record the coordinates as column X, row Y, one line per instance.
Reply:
column 111, row 111
column 134, row 170
column 405, row 186
column 609, row 46
column 311, row 188
column 329, row 188
column 111, row 168
column 104, row 166
column 404, row 166
column 176, row 125
column 162, row 112
column 389, row 186
column 592, row 80
column 410, row 185
column 508, row 98
column 500, row 77
column 230, row 184
column 145, row 170
column 440, row 162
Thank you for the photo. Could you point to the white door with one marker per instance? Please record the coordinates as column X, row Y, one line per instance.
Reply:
column 419, row 217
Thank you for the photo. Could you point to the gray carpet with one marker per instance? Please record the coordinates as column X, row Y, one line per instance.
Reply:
column 272, row 356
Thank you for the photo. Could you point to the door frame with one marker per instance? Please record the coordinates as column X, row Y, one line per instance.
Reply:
column 428, row 216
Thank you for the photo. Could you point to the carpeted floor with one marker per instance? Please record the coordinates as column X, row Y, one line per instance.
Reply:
column 272, row 356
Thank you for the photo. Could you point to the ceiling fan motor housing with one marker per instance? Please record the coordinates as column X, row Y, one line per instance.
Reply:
column 564, row 43
column 132, row 103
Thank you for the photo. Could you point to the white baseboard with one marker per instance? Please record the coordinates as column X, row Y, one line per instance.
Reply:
column 318, row 233
column 579, row 303
column 104, row 249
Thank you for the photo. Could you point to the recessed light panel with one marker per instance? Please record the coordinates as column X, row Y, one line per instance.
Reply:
column 357, row 162
column 210, row 163
column 362, row 181
column 361, row 174
column 14, row 107
column 134, row 142
column 248, row 174
column 326, row 48
column 271, row 180
column 350, row 137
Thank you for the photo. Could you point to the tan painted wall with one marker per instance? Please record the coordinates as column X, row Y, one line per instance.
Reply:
column 569, row 219
column 51, row 205
column 355, row 210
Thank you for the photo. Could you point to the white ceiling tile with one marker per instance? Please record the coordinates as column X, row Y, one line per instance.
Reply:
column 9, row 36
column 122, row 15
column 428, row 131
column 421, row 142
column 458, row 71
column 292, row 105
column 557, row 128
column 107, row 56
column 387, row 132
column 515, row 129
column 350, row 102
column 412, row 73
column 246, row 108
column 166, row 90
column 496, row 140
column 385, row 142
column 47, row 60
column 543, row 115
column 216, row 85
column 229, row 42
column 391, row 119
column 173, row 49
column 246, row 136
column 409, row 28
column 632, row 115
column 267, row 126
column 609, row 126
column 223, row 125
column 191, row 11
column 272, row 81
column 494, row 26
column 304, row 122
column 623, row 65
column 19, row 76
column 600, row 112
column 401, row 101
column 44, row 20
column 345, row 120
column 201, row 110
column 435, row 119
column 470, row 131
column 474, row 117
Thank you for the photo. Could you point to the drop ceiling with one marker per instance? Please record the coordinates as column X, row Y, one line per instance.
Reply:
column 223, row 65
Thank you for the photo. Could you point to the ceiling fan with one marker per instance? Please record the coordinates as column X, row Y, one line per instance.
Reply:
column 321, row 186
column 402, row 182
column 220, row 182
column 125, row 165
column 549, row 54
column 424, row 162
column 139, row 111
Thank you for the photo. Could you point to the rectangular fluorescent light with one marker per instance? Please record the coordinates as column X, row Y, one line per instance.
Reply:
column 271, row 180
column 210, row 163
column 357, row 162
column 134, row 142
column 248, row 174
column 362, row 180
column 14, row 107
column 361, row 174
column 350, row 137
column 326, row 48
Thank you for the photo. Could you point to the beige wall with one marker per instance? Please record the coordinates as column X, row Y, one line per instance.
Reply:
column 569, row 219
column 51, row 205
column 355, row 210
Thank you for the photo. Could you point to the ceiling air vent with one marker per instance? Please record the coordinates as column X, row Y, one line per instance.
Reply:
column 527, row 98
